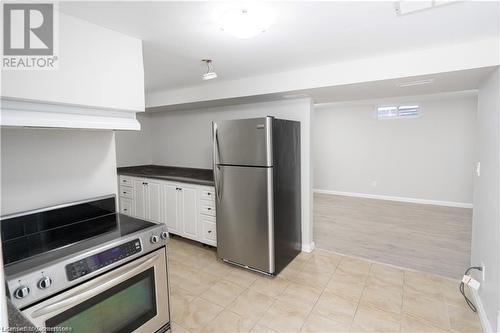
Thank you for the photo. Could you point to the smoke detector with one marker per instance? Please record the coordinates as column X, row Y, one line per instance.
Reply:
column 210, row 74
column 246, row 22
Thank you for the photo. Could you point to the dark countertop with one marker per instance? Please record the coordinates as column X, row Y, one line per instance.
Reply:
column 18, row 321
column 178, row 174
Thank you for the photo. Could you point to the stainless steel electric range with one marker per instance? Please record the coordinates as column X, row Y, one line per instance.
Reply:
column 83, row 267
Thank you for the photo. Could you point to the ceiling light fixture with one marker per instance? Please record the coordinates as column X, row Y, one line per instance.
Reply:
column 245, row 22
column 415, row 83
column 404, row 7
column 295, row 95
column 210, row 74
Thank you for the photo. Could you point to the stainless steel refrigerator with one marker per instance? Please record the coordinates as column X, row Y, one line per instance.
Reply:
column 257, row 185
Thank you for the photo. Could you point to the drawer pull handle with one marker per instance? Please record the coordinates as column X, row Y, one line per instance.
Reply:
column 209, row 231
column 209, row 193
column 124, row 209
column 209, row 208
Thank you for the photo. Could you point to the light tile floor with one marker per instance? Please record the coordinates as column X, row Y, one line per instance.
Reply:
column 317, row 292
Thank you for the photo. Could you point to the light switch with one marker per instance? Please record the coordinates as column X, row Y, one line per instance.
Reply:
column 478, row 169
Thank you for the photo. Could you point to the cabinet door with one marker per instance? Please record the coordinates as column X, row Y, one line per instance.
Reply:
column 153, row 201
column 189, row 212
column 171, row 207
column 140, row 199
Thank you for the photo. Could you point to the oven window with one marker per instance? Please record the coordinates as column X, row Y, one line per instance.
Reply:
column 120, row 309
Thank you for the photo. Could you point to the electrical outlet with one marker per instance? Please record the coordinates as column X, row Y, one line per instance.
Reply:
column 470, row 282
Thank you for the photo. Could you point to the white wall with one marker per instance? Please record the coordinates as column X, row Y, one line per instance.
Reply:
column 135, row 147
column 98, row 67
column 44, row 167
column 184, row 138
column 428, row 158
column 486, row 215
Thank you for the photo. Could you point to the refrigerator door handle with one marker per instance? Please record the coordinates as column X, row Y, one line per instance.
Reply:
column 218, row 182
column 217, row 169
column 216, row 144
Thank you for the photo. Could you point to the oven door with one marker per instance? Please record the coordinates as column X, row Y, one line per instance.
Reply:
column 131, row 298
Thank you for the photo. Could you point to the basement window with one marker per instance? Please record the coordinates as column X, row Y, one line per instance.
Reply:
column 398, row 111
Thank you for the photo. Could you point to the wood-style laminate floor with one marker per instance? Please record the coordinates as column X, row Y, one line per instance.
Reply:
column 427, row 238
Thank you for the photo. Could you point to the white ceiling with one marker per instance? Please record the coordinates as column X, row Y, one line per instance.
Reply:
column 465, row 81
column 441, row 83
column 177, row 35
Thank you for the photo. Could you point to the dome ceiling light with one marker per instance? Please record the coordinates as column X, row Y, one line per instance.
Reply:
column 210, row 74
column 245, row 22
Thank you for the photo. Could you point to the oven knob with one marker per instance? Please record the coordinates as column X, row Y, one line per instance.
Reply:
column 164, row 235
column 154, row 239
column 44, row 282
column 21, row 292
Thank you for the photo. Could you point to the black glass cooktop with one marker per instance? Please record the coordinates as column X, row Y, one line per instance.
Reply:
column 27, row 236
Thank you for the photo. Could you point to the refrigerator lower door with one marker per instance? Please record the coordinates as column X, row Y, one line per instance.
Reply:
column 244, row 205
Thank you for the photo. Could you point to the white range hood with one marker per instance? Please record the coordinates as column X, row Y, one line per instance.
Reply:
column 43, row 114
column 98, row 83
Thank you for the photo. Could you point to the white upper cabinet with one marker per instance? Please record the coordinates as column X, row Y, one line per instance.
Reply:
column 99, row 82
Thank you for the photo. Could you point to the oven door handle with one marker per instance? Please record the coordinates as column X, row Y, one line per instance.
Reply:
column 93, row 289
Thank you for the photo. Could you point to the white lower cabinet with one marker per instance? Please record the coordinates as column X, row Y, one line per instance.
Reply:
column 153, row 201
column 171, row 208
column 208, row 230
column 126, row 206
column 139, row 198
column 187, row 210
column 146, row 199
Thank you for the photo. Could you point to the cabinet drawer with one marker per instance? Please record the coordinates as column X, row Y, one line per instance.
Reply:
column 207, row 208
column 207, row 195
column 126, row 206
column 126, row 192
column 125, row 180
column 209, row 232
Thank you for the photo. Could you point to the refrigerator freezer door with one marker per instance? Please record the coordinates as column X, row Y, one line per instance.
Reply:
column 244, row 205
column 243, row 142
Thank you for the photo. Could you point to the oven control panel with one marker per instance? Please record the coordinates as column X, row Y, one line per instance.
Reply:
column 97, row 261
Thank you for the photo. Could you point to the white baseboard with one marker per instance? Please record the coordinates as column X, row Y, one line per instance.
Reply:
column 401, row 199
column 498, row 322
column 308, row 247
column 485, row 323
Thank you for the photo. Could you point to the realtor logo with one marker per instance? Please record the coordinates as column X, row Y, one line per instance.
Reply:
column 28, row 29
column 28, row 36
